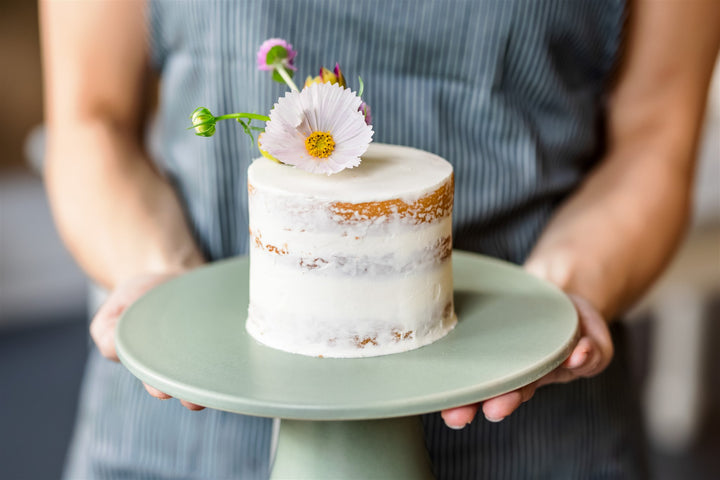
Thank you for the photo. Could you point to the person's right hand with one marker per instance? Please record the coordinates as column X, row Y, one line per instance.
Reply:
column 102, row 327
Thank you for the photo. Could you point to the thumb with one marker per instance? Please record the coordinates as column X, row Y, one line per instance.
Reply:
column 102, row 327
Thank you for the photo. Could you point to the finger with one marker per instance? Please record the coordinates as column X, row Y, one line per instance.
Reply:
column 593, row 325
column 155, row 392
column 559, row 375
column 583, row 361
column 497, row 408
column 580, row 354
column 104, row 337
column 594, row 362
column 102, row 327
column 457, row 418
column 596, row 329
column 191, row 406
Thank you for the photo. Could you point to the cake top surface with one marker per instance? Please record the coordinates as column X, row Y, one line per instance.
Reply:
column 386, row 172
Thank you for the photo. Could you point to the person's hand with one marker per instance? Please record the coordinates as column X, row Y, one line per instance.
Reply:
column 591, row 355
column 102, row 327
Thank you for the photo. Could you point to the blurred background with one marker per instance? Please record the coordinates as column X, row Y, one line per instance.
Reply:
column 43, row 318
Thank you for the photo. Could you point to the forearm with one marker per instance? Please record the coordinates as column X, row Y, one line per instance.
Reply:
column 116, row 213
column 612, row 238
column 118, row 216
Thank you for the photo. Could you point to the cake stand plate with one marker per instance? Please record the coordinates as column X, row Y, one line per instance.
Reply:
column 187, row 338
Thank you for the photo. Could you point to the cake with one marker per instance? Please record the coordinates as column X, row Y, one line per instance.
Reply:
column 354, row 264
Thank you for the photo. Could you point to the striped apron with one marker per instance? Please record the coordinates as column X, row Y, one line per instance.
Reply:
column 509, row 91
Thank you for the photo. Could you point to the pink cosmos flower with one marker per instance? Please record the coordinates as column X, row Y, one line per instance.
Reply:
column 320, row 129
column 285, row 58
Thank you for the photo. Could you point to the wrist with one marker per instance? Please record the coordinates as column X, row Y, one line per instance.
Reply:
column 583, row 279
column 160, row 262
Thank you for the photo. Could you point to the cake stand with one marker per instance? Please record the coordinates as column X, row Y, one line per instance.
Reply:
column 346, row 418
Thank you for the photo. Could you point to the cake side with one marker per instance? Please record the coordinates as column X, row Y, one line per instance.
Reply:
column 340, row 278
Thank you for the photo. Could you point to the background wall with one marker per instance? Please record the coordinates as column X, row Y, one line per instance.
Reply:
column 43, row 339
column 20, row 80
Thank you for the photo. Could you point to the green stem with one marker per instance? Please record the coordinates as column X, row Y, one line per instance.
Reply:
column 285, row 76
column 253, row 116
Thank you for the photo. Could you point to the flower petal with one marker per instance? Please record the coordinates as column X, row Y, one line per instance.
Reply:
column 320, row 107
column 265, row 48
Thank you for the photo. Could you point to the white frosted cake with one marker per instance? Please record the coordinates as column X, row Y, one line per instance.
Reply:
column 354, row 264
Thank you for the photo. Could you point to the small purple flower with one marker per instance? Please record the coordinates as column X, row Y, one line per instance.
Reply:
column 276, row 50
column 365, row 110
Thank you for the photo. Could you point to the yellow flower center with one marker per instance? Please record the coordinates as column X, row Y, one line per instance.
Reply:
column 320, row 144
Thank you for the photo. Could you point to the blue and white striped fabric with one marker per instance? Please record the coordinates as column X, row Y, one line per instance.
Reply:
column 509, row 91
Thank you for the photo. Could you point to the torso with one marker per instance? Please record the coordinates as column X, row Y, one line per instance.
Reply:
column 510, row 92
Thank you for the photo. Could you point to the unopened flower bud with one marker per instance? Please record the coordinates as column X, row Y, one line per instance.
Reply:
column 339, row 76
column 310, row 80
column 203, row 122
column 328, row 76
column 365, row 110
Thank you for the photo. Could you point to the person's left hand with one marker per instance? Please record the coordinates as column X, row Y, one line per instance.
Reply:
column 591, row 355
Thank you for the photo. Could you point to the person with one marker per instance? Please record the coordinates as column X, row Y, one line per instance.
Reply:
column 571, row 127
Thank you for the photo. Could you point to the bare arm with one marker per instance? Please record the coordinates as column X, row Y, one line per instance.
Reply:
column 118, row 216
column 613, row 236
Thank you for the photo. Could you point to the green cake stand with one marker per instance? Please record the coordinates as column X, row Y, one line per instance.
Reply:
column 346, row 418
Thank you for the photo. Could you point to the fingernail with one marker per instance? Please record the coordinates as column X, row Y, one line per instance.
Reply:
column 459, row 427
column 494, row 420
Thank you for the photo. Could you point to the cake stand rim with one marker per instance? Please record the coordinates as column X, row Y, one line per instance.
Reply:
column 363, row 410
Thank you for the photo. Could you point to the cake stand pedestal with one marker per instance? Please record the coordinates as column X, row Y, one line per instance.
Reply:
column 346, row 418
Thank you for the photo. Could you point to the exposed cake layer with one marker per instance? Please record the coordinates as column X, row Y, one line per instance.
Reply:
column 422, row 246
column 358, row 218
column 434, row 205
column 313, row 313
column 355, row 264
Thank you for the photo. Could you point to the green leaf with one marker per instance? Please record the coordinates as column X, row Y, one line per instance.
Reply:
column 276, row 54
column 247, row 129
